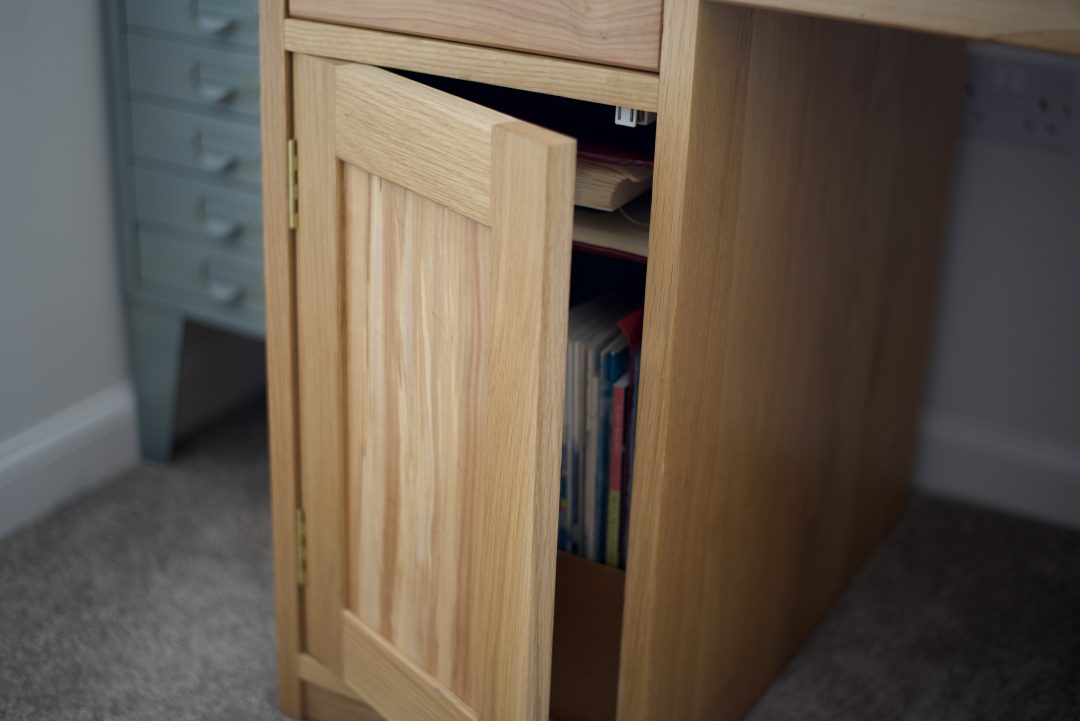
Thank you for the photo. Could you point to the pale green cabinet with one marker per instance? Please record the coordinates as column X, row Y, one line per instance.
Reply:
column 185, row 86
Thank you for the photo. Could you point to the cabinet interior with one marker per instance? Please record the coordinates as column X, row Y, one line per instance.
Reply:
column 587, row 121
column 589, row 595
column 620, row 233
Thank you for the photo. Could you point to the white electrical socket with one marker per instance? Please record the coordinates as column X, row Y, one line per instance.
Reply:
column 1022, row 101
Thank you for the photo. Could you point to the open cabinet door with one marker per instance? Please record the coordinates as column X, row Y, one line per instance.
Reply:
column 432, row 276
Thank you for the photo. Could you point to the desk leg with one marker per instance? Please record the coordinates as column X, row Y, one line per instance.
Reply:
column 157, row 339
column 801, row 183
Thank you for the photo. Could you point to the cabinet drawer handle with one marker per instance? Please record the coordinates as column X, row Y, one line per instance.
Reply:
column 223, row 291
column 216, row 162
column 216, row 93
column 214, row 24
column 220, row 228
column 219, row 290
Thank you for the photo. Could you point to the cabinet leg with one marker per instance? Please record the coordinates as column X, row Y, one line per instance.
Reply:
column 156, row 339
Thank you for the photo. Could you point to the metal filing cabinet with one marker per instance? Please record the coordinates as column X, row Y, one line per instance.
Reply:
column 185, row 83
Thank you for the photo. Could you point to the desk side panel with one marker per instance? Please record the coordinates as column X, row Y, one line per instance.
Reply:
column 801, row 183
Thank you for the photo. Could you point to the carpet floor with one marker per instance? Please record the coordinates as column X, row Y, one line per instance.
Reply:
column 150, row 599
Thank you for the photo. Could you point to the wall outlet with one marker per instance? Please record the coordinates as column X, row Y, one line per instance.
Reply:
column 1022, row 101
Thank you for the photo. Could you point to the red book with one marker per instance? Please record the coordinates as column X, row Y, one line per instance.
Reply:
column 615, row 470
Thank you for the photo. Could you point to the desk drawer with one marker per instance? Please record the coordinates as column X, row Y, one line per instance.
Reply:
column 210, row 79
column 218, row 147
column 612, row 32
column 235, row 22
column 216, row 281
column 228, row 218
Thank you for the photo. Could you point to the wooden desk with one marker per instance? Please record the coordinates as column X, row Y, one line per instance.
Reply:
column 802, row 168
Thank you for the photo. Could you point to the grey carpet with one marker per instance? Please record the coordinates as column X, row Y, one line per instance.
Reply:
column 961, row 615
column 151, row 599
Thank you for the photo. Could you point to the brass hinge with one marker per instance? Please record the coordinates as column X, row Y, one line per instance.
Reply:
column 301, row 548
column 294, row 179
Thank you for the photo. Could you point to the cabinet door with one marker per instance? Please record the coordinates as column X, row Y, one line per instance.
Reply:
column 432, row 273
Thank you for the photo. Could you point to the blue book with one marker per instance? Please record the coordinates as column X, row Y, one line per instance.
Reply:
column 584, row 320
column 593, row 495
column 614, row 360
column 631, row 452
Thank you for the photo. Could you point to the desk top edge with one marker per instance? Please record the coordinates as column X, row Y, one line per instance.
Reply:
column 1051, row 25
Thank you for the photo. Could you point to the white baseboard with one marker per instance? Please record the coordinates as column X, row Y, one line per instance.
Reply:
column 991, row 466
column 67, row 454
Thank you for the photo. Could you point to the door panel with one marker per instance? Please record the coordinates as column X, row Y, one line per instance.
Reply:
column 392, row 683
column 320, row 360
column 417, row 309
column 431, row 142
column 433, row 258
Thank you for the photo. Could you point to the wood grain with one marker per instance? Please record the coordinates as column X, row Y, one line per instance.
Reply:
column 437, row 537
column 280, row 347
column 800, row 161
column 426, row 509
column 320, row 324
column 905, row 315
column 612, row 32
column 418, row 292
column 1041, row 24
column 521, row 426
column 393, row 684
column 323, row 704
column 311, row 671
column 505, row 68
column 397, row 129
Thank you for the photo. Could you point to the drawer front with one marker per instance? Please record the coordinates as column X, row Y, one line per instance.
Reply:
column 210, row 79
column 215, row 281
column 218, row 147
column 227, row 219
column 235, row 22
column 612, row 32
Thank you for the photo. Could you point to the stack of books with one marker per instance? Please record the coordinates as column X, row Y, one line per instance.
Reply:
column 598, row 429
column 607, row 185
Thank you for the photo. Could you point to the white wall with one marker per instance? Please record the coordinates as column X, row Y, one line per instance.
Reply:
column 66, row 406
column 1002, row 418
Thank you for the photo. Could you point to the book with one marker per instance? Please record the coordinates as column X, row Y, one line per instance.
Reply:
column 631, row 326
column 607, row 186
column 588, row 469
column 581, row 319
column 584, row 321
column 597, row 146
column 615, row 359
column 595, row 487
column 600, row 338
column 619, row 391
column 621, row 234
